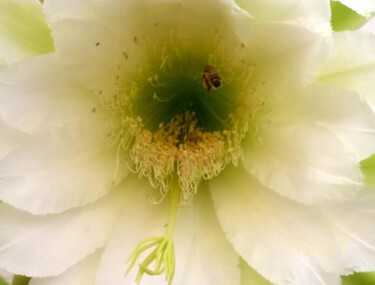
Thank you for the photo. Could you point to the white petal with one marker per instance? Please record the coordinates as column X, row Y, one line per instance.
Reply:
column 6, row 276
column 287, row 10
column 203, row 255
column 363, row 7
column 345, row 113
column 41, row 246
column 60, row 169
column 23, row 31
column 290, row 243
column 352, row 64
column 139, row 220
column 353, row 222
column 282, row 239
column 341, row 110
column 304, row 162
column 83, row 273
column 286, row 58
column 58, row 10
column 369, row 26
column 43, row 92
column 10, row 138
column 117, row 15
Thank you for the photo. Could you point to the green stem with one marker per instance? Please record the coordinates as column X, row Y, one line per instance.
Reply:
column 175, row 193
column 20, row 280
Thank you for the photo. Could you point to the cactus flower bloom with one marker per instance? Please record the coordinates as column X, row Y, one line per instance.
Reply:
column 162, row 142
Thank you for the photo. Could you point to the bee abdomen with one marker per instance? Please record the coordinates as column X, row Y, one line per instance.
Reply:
column 215, row 79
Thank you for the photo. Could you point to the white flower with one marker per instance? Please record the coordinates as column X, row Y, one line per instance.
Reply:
column 234, row 125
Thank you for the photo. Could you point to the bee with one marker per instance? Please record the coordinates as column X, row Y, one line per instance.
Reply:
column 211, row 79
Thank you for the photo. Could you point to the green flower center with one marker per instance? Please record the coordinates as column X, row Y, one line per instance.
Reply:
column 181, row 111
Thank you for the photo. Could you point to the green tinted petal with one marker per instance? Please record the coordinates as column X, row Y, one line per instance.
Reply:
column 23, row 30
column 362, row 7
column 359, row 279
column 20, row 280
column 368, row 169
column 250, row 277
column 3, row 282
column 344, row 18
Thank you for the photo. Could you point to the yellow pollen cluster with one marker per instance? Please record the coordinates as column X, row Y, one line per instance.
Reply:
column 180, row 147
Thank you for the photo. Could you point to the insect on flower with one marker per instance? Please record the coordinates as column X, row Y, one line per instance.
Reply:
column 211, row 79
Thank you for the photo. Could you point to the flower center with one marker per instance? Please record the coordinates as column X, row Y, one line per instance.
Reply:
column 183, row 111
column 180, row 109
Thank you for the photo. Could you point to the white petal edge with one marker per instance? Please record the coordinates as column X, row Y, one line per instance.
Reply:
column 352, row 64
column 362, row 7
column 249, row 276
column 287, row 10
column 369, row 26
column 287, row 58
column 346, row 113
column 304, row 162
column 42, row 246
column 343, row 111
column 61, row 168
column 10, row 138
column 83, row 273
column 288, row 242
column 43, row 92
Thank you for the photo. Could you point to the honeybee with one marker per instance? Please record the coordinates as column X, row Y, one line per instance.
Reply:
column 211, row 79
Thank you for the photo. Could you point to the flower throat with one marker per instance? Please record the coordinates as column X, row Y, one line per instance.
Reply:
column 180, row 113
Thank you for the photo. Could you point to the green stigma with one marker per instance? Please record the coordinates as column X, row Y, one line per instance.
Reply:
column 161, row 258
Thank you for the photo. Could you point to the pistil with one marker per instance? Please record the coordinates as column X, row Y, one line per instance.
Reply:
column 161, row 259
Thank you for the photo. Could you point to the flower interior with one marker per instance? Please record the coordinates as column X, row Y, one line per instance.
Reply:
column 180, row 109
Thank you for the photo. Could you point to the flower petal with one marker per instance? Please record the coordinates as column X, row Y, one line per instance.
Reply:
column 203, row 255
column 41, row 246
column 57, row 10
column 23, row 31
column 249, row 276
column 345, row 113
column 10, row 138
column 286, row 58
column 288, row 242
column 273, row 234
column 287, row 10
column 341, row 110
column 353, row 223
column 362, row 7
column 354, row 70
column 60, row 169
column 305, row 162
column 83, row 273
column 44, row 92
column 369, row 26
